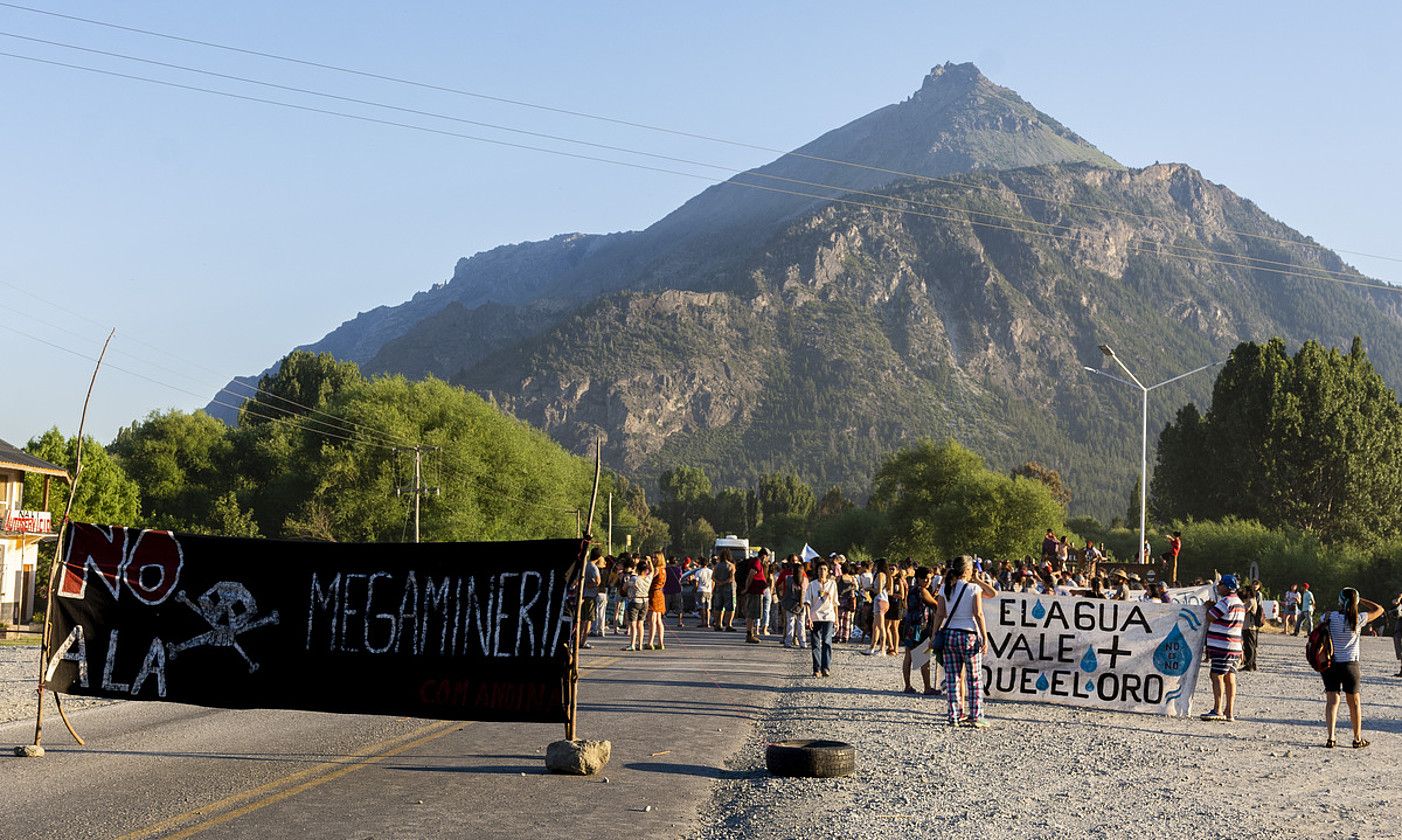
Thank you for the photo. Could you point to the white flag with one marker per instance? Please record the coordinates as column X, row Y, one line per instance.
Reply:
column 809, row 553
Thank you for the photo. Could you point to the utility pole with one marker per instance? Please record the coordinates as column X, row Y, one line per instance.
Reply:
column 610, row 536
column 418, row 489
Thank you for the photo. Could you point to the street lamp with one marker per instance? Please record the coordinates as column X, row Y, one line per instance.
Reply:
column 1144, row 440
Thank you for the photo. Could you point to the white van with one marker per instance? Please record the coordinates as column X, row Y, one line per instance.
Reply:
column 739, row 549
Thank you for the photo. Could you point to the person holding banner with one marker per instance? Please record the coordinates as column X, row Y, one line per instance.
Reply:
column 1343, row 674
column 1224, row 624
column 959, row 615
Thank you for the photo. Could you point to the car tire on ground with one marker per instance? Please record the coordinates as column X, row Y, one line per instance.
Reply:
column 811, row 759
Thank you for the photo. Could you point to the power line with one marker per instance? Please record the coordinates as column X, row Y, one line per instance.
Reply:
column 341, row 423
column 729, row 170
column 286, row 419
column 655, row 128
column 1306, row 273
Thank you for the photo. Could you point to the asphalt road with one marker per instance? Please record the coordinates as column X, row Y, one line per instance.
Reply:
column 162, row 770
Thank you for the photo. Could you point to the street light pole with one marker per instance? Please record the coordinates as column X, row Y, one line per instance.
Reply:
column 1144, row 433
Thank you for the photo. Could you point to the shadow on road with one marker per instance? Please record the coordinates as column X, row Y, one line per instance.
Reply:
column 698, row 770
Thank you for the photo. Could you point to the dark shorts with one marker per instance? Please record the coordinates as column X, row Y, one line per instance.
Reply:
column 893, row 611
column 674, row 602
column 753, row 605
column 637, row 610
column 724, row 599
column 589, row 609
column 1224, row 663
column 1342, row 676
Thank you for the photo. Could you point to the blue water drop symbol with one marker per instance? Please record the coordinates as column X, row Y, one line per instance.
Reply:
column 1038, row 611
column 1042, row 683
column 1090, row 685
column 1088, row 662
column 1172, row 657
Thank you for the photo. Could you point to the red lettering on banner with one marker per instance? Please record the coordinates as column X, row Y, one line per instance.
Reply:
column 103, row 549
column 149, row 564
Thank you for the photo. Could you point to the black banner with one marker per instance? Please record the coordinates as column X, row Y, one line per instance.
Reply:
column 458, row 631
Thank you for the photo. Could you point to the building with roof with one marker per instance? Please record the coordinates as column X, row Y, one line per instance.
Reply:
column 21, row 531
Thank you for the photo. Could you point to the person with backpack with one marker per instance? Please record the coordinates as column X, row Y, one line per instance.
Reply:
column 1342, row 675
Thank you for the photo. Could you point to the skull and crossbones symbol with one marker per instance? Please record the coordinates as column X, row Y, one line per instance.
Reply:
column 229, row 609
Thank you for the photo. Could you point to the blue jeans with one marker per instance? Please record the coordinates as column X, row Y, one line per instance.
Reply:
column 1306, row 621
column 821, row 638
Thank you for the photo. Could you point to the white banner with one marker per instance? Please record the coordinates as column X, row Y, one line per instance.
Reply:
column 1136, row 656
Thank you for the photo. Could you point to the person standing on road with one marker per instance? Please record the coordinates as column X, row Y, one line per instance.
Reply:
column 791, row 584
column 959, row 615
column 1224, row 622
column 1291, row 606
column 1306, row 619
column 589, row 596
column 916, row 626
column 1397, row 630
column 1250, row 631
column 704, row 587
column 755, row 588
column 723, row 600
column 820, row 601
column 1343, row 674
column 637, row 582
column 672, row 591
column 880, row 602
column 657, row 604
column 847, row 605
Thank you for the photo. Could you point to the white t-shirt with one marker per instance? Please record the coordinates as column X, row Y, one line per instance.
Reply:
column 638, row 586
column 961, row 608
column 864, row 582
column 821, row 599
column 703, row 580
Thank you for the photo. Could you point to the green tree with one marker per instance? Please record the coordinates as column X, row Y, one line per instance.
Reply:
column 183, row 464
column 1312, row 442
column 698, row 538
column 105, row 494
column 939, row 499
column 303, row 385
column 685, row 494
column 834, row 503
column 785, row 494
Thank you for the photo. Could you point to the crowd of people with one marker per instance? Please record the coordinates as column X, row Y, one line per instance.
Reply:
column 892, row 608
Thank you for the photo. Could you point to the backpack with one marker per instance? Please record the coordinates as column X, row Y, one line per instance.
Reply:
column 1319, row 648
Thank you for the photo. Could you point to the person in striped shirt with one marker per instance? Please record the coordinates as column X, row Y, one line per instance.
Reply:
column 1225, row 620
column 1342, row 676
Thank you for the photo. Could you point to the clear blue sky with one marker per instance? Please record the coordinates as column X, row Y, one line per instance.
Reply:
column 216, row 235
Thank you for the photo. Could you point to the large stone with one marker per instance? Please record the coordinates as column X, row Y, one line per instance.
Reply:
column 29, row 751
column 577, row 758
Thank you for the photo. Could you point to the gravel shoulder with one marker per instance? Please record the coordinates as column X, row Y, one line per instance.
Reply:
column 18, row 671
column 1048, row 771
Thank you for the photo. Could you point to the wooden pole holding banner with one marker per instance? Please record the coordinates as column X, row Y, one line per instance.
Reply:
column 585, row 540
column 46, row 640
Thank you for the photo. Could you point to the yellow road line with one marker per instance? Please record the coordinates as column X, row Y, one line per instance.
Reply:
column 243, row 796
column 287, row 793
column 278, row 790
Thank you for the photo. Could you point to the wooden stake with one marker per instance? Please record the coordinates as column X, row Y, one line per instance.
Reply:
column 47, row 638
column 584, row 543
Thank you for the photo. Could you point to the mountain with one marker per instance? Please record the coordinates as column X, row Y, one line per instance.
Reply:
column 958, row 283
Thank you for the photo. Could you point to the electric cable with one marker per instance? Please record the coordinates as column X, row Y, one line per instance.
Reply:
column 645, row 126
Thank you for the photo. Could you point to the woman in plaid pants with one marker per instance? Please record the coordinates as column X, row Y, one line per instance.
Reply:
column 959, row 614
